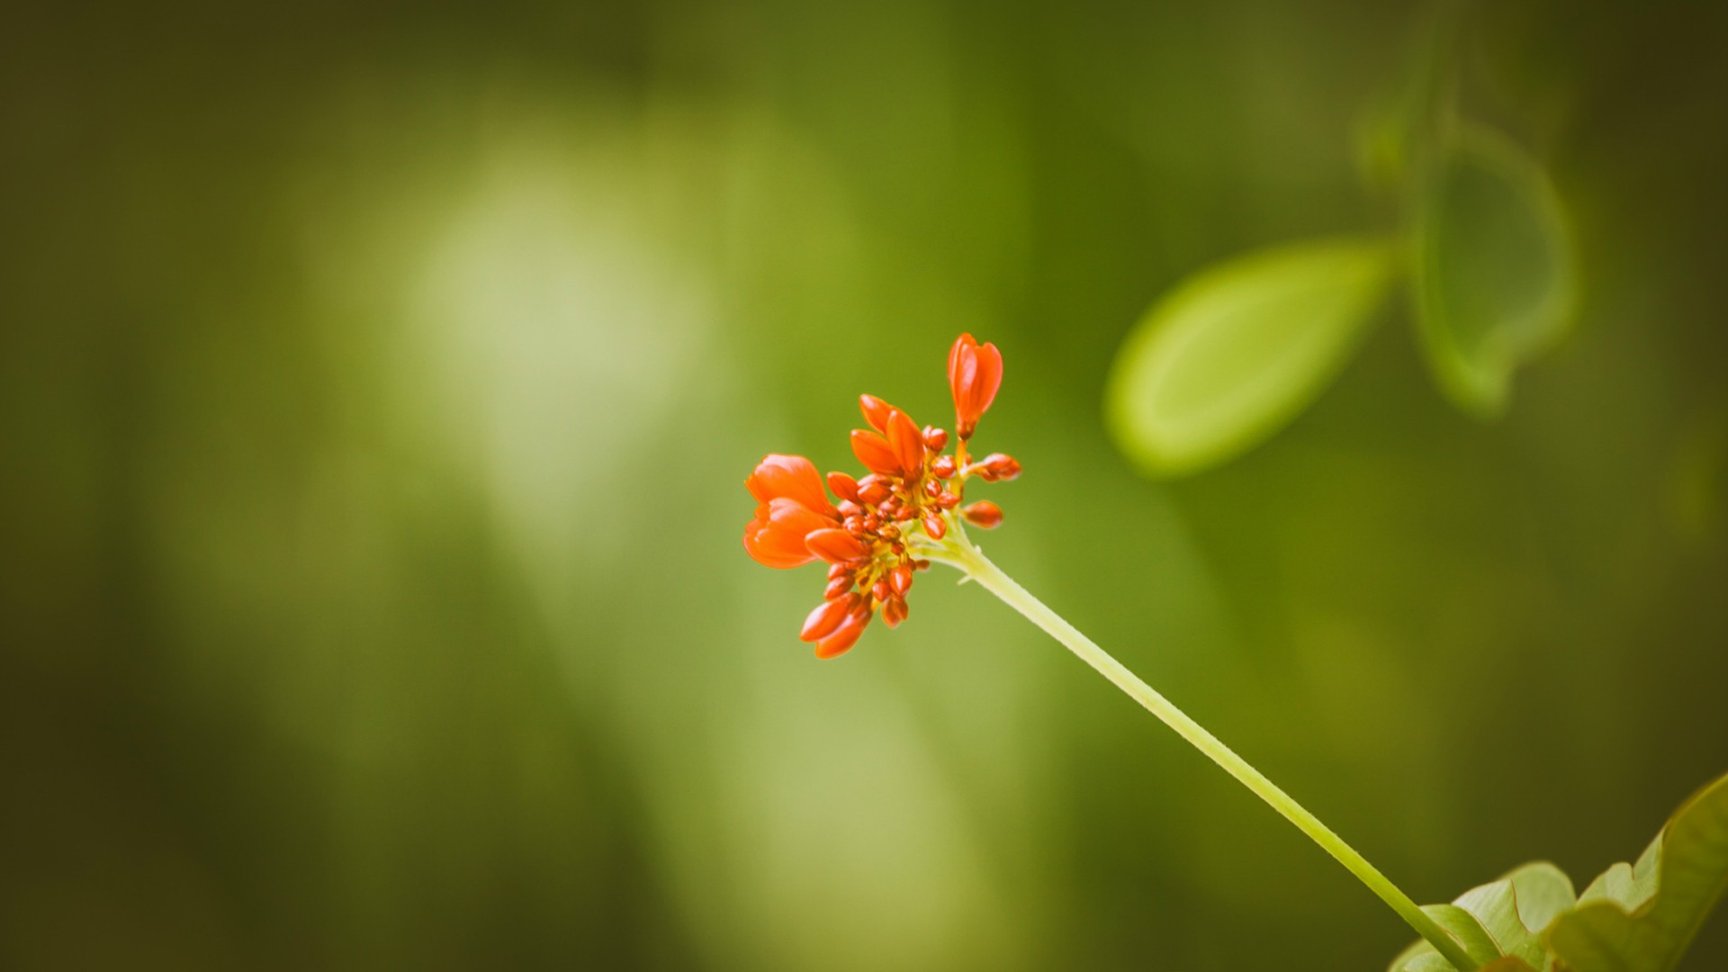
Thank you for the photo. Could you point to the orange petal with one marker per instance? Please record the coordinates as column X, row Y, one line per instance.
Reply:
column 757, row 542
column 775, row 537
column 875, row 411
column 794, row 518
column 962, row 345
column 776, row 550
column 989, row 379
column 836, row 546
column 792, row 477
column 906, row 441
column 875, row 453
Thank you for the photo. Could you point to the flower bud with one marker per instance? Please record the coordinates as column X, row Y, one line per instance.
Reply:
column 846, row 635
column 872, row 491
column 983, row 513
column 900, row 579
column 827, row 616
column 894, row 611
column 997, row 467
column 974, row 375
column 844, row 486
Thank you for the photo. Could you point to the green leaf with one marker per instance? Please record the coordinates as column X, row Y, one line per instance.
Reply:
column 1502, row 919
column 1493, row 268
column 1516, row 908
column 1236, row 351
column 1633, row 918
column 1541, row 893
column 1478, row 944
column 1641, row 918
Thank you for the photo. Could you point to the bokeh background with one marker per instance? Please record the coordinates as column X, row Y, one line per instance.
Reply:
column 377, row 383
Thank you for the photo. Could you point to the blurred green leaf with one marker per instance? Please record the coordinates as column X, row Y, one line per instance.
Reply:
column 1641, row 918
column 1493, row 269
column 1236, row 351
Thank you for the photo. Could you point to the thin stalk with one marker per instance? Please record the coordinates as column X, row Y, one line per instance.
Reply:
column 960, row 553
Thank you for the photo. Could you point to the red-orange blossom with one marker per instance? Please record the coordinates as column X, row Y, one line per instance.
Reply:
column 912, row 487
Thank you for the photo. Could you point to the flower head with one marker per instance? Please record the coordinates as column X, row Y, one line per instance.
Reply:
column 790, row 506
column 908, row 500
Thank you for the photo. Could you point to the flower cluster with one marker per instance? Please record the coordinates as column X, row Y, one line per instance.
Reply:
column 870, row 534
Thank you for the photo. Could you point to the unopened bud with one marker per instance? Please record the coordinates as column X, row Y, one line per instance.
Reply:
column 983, row 513
column 894, row 611
column 900, row 578
column 843, row 486
column 998, row 467
column 827, row 617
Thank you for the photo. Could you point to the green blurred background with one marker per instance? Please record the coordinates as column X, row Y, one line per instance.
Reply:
column 376, row 388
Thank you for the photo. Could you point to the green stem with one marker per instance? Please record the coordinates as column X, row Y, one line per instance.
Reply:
column 960, row 553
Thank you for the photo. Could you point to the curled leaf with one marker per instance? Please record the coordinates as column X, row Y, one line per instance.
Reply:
column 1641, row 917
column 1493, row 267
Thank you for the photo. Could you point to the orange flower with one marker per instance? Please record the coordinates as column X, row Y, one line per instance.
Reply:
column 909, row 497
column 974, row 375
column 790, row 506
